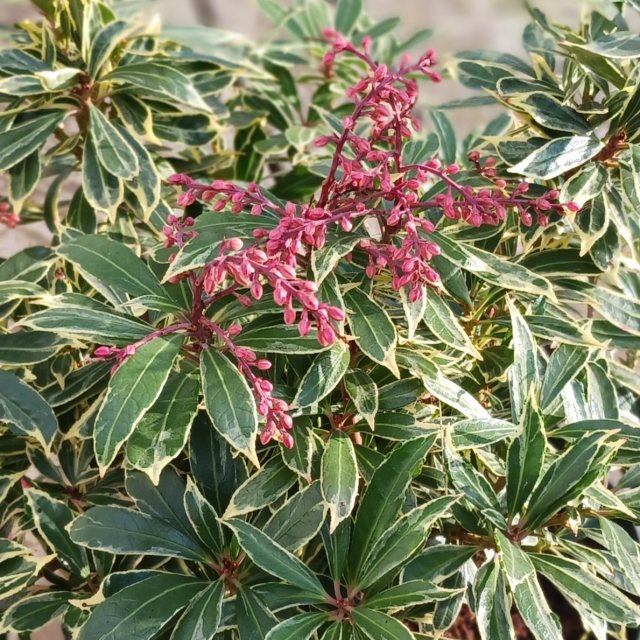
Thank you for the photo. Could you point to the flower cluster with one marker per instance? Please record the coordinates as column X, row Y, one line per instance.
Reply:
column 368, row 181
column 8, row 217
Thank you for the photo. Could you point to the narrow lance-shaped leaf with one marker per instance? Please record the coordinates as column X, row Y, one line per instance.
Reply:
column 229, row 403
column 51, row 517
column 261, row 488
column 441, row 321
column 526, row 591
column 567, row 476
column 253, row 618
column 25, row 410
column 163, row 431
column 298, row 520
column 113, row 152
column 140, row 610
column 275, row 560
column 103, row 190
column 623, row 548
column 564, row 365
column 373, row 330
column 524, row 375
column 300, row 627
column 401, row 541
column 587, row 590
column 339, row 477
column 125, row 531
column 384, row 496
column 475, row 487
column 492, row 605
column 558, row 156
column 132, row 391
column 203, row 518
column 110, row 266
column 524, row 459
column 376, row 625
column 323, row 375
column 24, row 138
column 364, row 393
column 201, row 618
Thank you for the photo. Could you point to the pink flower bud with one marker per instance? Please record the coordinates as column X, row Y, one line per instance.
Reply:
column 263, row 364
column 234, row 329
column 102, row 352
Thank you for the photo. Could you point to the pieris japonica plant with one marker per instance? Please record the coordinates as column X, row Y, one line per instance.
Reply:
column 299, row 365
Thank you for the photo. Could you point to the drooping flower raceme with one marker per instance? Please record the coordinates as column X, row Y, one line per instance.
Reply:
column 369, row 185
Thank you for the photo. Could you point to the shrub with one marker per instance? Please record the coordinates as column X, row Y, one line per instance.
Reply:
column 367, row 382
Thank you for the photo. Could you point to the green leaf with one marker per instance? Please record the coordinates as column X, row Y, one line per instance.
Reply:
column 492, row 606
column 163, row 430
column 229, row 403
column 323, row 375
column 26, row 410
column 254, row 620
column 112, row 150
column 530, row 600
column 212, row 227
column 565, row 364
column 140, row 611
column 364, row 394
column 558, row 156
column 159, row 80
column 378, row 626
column 125, row 531
column 339, row 477
column 324, row 261
column 438, row 562
column 23, row 179
column 622, row 45
column 261, row 489
column 446, row 390
column 551, row 113
column 134, row 388
column 147, row 185
column 51, row 518
column 584, row 185
column 587, row 590
column 413, row 592
column 477, row 432
column 498, row 271
column 383, row 497
column 347, row 14
column 300, row 627
column 33, row 612
column 567, row 477
column 446, row 137
column 298, row 520
column 201, row 618
column 442, row 322
column 475, row 487
column 524, row 459
column 23, row 139
column 279, row 339
column 401, row 541
column 372, row 328
column 203, row 518
column 111, row 267
column 623, row 548
column 524, row 375
column 103, row 190
column 28, row 347
column 104, row 43
column 74, row 318
column 275, row 560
